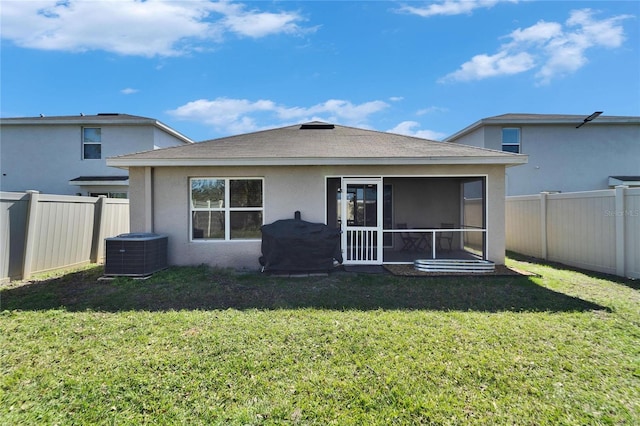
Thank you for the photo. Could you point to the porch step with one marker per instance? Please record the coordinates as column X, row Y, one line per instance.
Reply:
column 454, row 265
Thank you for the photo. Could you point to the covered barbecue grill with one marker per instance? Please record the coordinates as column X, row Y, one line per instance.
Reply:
column 294, row 245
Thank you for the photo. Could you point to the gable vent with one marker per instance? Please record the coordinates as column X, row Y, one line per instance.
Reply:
column 317, row 126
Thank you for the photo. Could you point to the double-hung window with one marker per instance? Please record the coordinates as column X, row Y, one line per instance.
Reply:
column 226, row 208
column 91, row 143
column 511, row 139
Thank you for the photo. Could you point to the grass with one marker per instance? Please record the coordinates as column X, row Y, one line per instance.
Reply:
column 196, row 345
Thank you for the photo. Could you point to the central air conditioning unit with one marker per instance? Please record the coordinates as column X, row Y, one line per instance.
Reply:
column 135, row 254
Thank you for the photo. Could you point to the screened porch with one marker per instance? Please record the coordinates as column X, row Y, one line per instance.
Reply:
column 410, row 217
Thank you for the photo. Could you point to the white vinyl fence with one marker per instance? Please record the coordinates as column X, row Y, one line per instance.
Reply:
column 473, row 213
column 42, row 232
column 594, row 230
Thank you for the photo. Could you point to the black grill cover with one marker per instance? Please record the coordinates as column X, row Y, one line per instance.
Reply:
column 294, row 245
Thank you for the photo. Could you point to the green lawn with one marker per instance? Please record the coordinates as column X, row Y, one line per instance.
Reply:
column 203, row 346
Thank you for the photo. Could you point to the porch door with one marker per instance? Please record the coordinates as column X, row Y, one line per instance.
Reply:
column 361, row 220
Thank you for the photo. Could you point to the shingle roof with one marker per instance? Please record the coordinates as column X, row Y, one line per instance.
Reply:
column 80, row 118
column 562, row 118
column 293, row 145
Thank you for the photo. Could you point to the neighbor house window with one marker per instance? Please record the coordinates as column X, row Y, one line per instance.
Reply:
column 511, row 139
column 226, row 208
column 91, row 143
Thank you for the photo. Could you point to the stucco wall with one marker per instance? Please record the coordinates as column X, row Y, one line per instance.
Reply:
column 287, row 189
column 475, row 138
column 162, row 139
column 563, row 158
column 46, row 157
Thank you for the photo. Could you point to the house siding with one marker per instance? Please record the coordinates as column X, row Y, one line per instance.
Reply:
column 286, row 190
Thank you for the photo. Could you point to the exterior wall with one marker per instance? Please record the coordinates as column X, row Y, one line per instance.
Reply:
column 287, row 189
column 566, row 159
column 46, row 157
column 162, row 139
column 496, row 215
column 475, row 138
column 140, row 184
column 563, row 158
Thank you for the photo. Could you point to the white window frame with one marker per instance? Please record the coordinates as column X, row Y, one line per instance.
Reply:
column 518, row 144
column 226, row 209
column 84, row 143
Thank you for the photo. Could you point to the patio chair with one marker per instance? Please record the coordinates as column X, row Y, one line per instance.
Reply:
column 409, row 242
column 445, row 236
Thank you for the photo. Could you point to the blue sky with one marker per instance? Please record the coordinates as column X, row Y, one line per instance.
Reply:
column 425, row 68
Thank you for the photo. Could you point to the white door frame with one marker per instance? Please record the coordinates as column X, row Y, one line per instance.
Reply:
column 366, row 246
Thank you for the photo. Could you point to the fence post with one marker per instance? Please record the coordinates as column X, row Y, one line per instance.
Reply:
column 543, row 225
column 620, row 219
column 30, row 233
column 97, row 246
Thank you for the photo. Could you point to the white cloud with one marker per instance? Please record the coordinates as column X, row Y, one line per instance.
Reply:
column 234, row 116
column 484, row 66
column 408, row 128
column 142, row 28
column 552, row 48
column 566, row 53
column 257, row 24
column 540, row 32
column 129, row 91
column 431, row 109
column 451, row 7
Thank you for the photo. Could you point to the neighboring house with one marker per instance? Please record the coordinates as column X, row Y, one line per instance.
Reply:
column 601, row 153
column 211, row 198
column 66, row 155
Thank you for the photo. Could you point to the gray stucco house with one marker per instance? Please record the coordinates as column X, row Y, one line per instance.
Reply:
column 67, row 154
column 566, row 153
column 212, row 197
